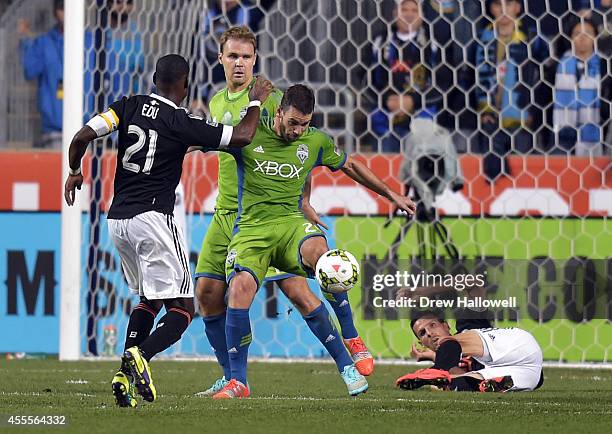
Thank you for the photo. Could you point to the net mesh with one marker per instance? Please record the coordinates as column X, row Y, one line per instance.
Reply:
column 525, row 194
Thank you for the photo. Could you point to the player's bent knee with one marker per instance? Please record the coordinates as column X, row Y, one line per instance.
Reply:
column 186, row 304
column 211, row 296
column 312, row 249
column 242, row 290
column 154, row 305
column 471, row 344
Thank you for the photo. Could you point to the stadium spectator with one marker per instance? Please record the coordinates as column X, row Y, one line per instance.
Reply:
column 118, row 53
column 601, row 15
column 505, row 77
column 391, row 123
column 405, row 59
column 43, row 59
column 580, row 84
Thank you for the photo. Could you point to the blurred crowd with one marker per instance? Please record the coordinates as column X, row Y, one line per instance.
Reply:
column 498, row 76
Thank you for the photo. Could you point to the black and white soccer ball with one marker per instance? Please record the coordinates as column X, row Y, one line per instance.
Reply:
column 337, row 271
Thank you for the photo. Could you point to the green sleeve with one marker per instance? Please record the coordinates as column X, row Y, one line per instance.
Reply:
column 270, row 106
column 215, row 106
column 332, row 156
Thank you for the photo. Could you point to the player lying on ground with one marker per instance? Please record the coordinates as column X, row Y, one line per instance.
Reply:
column 237, row 54
column 154, row 134
column 477, row 358
column 271, row 228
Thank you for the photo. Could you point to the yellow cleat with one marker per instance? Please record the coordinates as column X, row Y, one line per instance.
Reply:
column 123, row 390
column 141, row 373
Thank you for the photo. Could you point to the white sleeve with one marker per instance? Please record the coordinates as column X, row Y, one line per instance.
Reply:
column 226, row 136
column 105, row 123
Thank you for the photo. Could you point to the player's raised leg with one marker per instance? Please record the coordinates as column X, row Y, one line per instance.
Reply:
column 311, row 250
column 319, row 322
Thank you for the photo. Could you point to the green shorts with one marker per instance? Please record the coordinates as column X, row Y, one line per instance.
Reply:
column 211, row 260
column 255, row 248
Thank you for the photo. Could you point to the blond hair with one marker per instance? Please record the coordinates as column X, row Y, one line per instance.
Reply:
column 238, row 32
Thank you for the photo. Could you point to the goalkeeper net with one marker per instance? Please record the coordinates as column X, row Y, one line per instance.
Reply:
column 529, row 153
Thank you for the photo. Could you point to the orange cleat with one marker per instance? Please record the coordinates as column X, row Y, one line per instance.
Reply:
column 422, row 377
column 233, row 389
column 364, row 362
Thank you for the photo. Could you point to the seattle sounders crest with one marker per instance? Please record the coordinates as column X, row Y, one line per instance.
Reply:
column 302, row 152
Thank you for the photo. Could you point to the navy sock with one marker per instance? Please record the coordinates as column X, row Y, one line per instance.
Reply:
column 238, row 337
column 169, row 330
column 448, row 355
column 340, row 304
column 465, row 384
column 322, row 327
column 214, row 326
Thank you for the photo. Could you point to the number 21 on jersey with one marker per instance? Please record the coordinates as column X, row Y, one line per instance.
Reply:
column 133, row 149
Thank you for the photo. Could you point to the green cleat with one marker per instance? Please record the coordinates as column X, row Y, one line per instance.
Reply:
column 123, row 390
column 141, row 373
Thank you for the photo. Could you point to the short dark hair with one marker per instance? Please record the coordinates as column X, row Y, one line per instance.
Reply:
column 170, row 68
column 300, row 97
column 417, row 315
column 58, row 5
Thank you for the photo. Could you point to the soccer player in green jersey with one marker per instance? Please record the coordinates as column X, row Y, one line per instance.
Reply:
column 270, row 227
column 238, row 55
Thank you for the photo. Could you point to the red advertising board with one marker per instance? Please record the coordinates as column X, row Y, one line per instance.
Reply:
column 538, row 185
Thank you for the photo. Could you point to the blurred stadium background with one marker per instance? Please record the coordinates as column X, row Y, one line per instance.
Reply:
column 529, row 191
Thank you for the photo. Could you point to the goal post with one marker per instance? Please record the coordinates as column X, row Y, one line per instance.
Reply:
column 70, row 278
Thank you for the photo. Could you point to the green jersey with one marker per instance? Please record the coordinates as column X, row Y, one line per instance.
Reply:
column 229, row 109
column 272, row 172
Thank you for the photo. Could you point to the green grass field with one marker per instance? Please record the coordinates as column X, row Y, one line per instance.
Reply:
column 296, row 397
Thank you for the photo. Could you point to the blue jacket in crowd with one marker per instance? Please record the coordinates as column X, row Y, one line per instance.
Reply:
column 43, row 59
column 515, row 93
column 125, row 64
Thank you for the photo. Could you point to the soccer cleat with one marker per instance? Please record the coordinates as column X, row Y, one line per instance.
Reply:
column 362, row 358
column 355, row 382
column 141, row 373
column 499, row 384
column 216, row 387
column 422, row 377
column 233, row 389
column 123, row 390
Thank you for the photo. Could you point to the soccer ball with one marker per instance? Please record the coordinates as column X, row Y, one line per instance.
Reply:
column 337, row 271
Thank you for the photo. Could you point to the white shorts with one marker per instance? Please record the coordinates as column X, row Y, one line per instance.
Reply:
column 153, row 255
column 511, row 351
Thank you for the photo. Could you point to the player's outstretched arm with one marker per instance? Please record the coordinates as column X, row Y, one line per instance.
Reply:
column 203, row 135
column 77, row 149
column 244, row 132
column 364, row 176
column 309, row 212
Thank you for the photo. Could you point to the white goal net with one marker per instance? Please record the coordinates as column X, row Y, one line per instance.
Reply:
column 436, row 83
